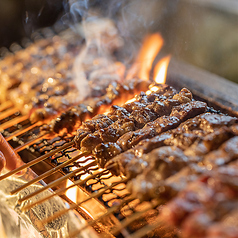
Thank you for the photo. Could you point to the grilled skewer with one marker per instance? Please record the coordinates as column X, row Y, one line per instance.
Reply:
column 163, row 165
column 180, row 183
column 103, row 152
column 200, row 129
column 102, row 121
column 189, row 206
column 35, row 161
column 117, row 114
column 116, row 92
column 129, row 122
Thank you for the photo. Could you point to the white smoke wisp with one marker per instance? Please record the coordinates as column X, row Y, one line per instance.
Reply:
column 95, row 61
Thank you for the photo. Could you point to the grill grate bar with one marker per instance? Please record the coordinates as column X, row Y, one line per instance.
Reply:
column 48, row 173
column 37, row 160
column 58, row 181
column 12, row 122
column 110, row 211
column 95, row 194
column 31, row 142
column 136, row 215
column 8, row 112
column 23, row 130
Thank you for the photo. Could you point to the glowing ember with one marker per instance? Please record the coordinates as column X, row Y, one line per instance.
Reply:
column 72, row 192
column 151, row 47
column 160, row 70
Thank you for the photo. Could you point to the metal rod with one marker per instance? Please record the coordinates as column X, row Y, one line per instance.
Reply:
column 5, row 105
column 55, row 183
column 108, row 213
column 22, row 131
column 62, row 190
column 128, row 220
column 48, row 173
column 8, row 112
column 31, row 142
column 13, row 122
column 73, row 206
column 37, row 160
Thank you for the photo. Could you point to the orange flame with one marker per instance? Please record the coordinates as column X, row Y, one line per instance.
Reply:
column 160, row 70
column 150, row 48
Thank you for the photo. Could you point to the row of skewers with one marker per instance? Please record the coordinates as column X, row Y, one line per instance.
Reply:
column 170, row 149
column 166, row 145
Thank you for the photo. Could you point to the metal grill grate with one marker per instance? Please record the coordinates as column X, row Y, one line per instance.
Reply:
column 114, row 198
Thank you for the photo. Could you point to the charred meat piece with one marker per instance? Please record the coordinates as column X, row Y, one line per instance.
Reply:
column 116, row 92
column 136, row 120
column 186, row 141
column 226, row 153
column 164, row 162
column 152, row 129
column 205, row 202
column 120, row 123
column 92, row 106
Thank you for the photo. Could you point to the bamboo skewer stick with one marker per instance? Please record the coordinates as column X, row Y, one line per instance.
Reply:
column 8, row 112
column 73, row 206
column 128, row 220
column 31, row 142
column 57, row 182
column 109, row 212
column 63, row 190
column 12, row 122
column 48, row 173
column 37, row 160
column 146, row 229
column 22, row 131
column 5, row 105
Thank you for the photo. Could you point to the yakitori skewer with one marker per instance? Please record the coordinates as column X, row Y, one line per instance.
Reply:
column 48, row 173
column 23, row 130
column 8, row 112
column 13, row 122
column 37, row 160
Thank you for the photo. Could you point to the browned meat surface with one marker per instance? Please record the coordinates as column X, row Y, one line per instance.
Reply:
column 188, row 136
column 115, row 92
column 163, row 123
column 151, row 129
column 227, row 152
column 42, row 68
column 176, row 161
column 204, row 204
column 120, row 123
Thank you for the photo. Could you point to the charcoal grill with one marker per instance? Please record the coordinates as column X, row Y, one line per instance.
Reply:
column 103, row 200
